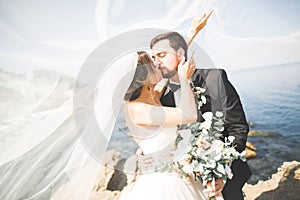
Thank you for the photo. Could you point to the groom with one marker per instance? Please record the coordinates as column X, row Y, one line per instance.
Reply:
column 167, row 51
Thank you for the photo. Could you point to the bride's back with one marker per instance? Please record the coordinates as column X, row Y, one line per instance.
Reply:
column 151, row 138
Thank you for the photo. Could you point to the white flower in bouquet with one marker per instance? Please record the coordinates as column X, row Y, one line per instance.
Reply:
column 217, row 145
column 206, row 124
column 203, row 99
column 188, row 169
column 219, row 114
column 199, row 93
column 185, row 133
column 208, row 116
column 231, row 138
column 202, row 143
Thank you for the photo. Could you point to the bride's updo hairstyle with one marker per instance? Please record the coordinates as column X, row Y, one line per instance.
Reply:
column 144, row 76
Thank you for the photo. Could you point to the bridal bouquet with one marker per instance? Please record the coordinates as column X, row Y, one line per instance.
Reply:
column 205, row 154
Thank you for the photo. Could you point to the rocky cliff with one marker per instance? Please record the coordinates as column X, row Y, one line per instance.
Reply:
column 285, row 184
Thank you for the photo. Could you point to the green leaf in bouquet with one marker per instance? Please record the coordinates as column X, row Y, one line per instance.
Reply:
column 211, row 164
column 218, row 135
column 203, row 159
column 219, row 114
column 218, row 123
column 206, row 172
column 224, row 178
column 178, row 139
column 220, row 168
column 195, row 125
column 217, row 174
column 204, row 181
column 199, row 168
column 217, row 157
column 220, row 129
column 210, row 176
column 194, row 154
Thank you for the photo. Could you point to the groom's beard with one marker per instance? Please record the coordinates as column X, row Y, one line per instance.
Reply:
column 167, row 73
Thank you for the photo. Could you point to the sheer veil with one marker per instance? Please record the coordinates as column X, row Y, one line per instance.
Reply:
column 60, row 159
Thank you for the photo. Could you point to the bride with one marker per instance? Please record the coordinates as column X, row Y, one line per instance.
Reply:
column 154, row 126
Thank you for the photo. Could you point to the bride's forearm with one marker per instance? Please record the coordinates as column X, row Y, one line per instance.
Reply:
column 191, row 35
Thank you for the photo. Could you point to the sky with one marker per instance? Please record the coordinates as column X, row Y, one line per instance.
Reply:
column 59, row 35
column 55, row 35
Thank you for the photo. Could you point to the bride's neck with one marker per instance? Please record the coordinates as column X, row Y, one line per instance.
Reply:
column 148, row 96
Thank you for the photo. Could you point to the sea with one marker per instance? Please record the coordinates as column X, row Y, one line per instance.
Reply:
column 271, row 100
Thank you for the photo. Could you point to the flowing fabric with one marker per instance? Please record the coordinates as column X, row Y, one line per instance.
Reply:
column 61, row 156
column 48, row 159
column 238, row 35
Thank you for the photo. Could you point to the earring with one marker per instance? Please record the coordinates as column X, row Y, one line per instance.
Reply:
column 151, row 90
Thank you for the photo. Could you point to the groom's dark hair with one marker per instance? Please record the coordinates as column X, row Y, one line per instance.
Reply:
column 175, row 41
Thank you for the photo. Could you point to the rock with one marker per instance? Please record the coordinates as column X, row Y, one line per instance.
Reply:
column 256, row 133
column 250, row 150
column 103, row 178
column 105, row 195
column 251, row 146
column 284, row 184
column 119, row 179
column 112, row 182
column 250, row 123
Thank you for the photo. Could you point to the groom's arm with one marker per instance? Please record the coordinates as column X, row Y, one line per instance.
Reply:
column 235, row 120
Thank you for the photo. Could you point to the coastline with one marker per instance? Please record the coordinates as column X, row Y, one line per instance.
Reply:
column 284, row 184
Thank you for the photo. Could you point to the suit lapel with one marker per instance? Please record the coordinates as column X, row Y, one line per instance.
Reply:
column 199, row 77
column 199, row 80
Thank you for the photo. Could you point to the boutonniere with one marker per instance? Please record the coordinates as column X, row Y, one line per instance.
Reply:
column 199, row 94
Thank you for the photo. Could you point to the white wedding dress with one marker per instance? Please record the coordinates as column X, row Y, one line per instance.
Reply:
column 160, row 185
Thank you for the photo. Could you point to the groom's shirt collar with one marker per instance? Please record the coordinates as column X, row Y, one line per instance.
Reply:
column 174, row 86
column 175, row 83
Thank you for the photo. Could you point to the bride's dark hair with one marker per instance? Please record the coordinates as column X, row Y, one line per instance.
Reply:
column 144, row 76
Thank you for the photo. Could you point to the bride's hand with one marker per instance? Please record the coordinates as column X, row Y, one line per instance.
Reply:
column 216, row 189
column 186, row 69
column 143, row 162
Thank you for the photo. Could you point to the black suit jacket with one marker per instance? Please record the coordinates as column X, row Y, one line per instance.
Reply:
column 222, row 96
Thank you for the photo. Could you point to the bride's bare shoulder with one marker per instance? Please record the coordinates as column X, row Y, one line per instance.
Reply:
column 136, row 104
column 138, row 107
